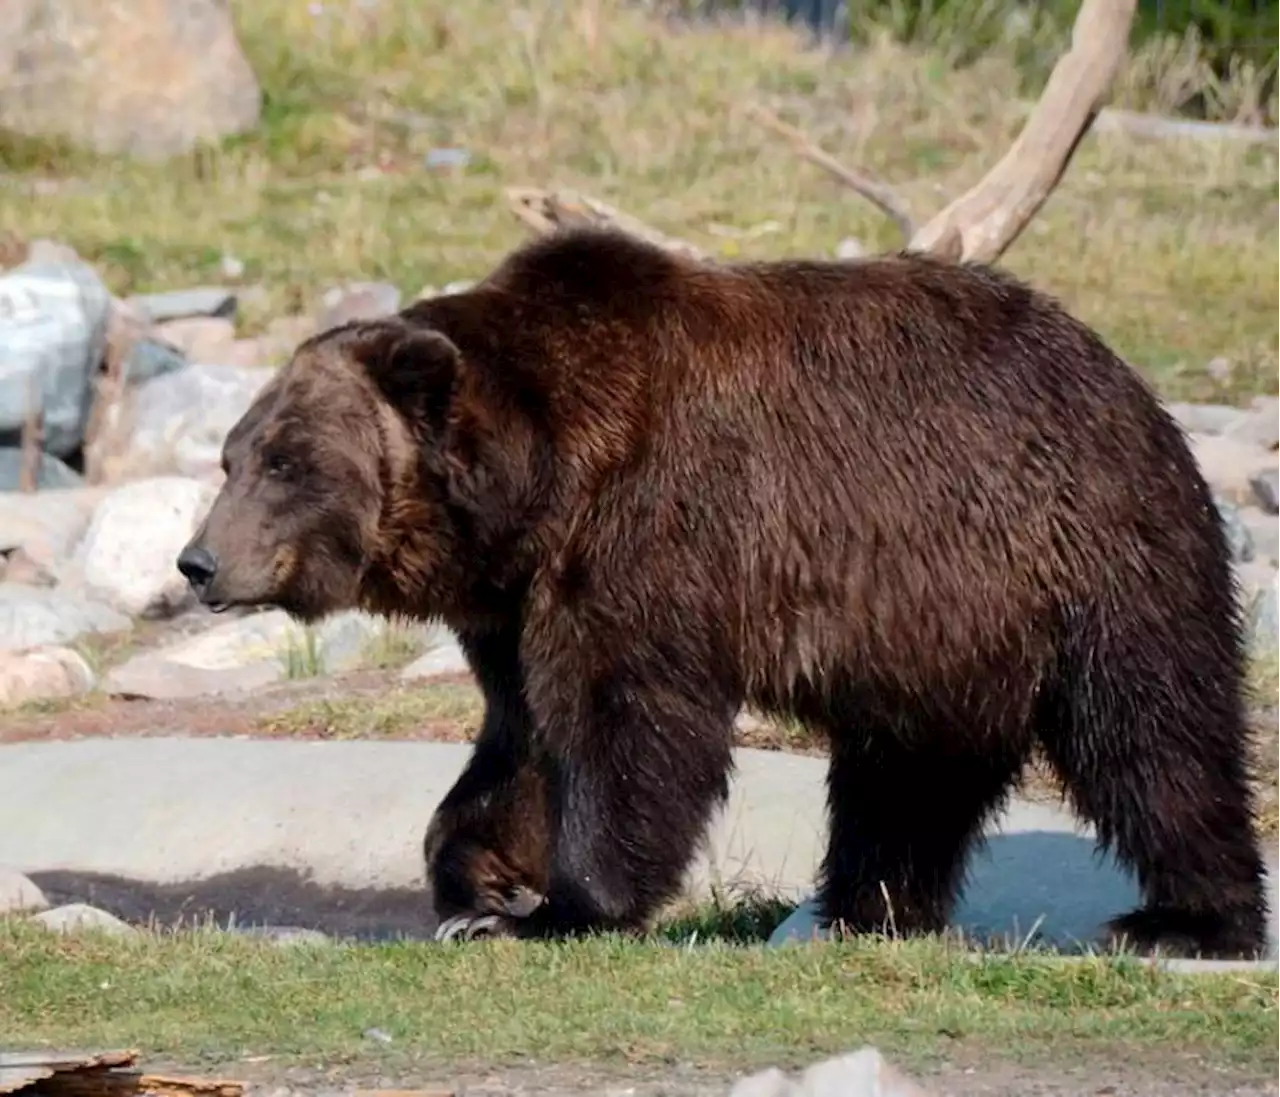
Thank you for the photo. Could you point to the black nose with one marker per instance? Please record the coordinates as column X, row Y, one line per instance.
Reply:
column 198, row 566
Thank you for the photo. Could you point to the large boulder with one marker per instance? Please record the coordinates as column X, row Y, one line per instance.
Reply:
column 128, row 552
column 149, row 78
column 33, row 616
column 176, row 423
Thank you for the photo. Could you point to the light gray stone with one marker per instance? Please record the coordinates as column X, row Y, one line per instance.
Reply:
column 126, row 558
column 284, row 935
column 178, row 303
column 1266, row 490
column 1264, row 532
column 176, row 423
column 1256, row 583
column 1205, row 418
column 861, row 1073
column 1238, row 536
column 202, row 339
column 1228, row 464
column 35, row 616
column 52, row 474
column 46, row 525
column 357, row 301
column 850, row 248
column 80, row 918
column 42, row 674
column 53, row 328
column 444, row 657
column 18, row 895
column 1259, row 426
column 246, row 653
column 150, row 78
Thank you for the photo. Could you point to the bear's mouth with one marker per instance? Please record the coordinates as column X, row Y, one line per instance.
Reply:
column 218, row 607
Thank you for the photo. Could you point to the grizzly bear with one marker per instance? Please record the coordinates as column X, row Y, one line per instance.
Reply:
column 910, row 503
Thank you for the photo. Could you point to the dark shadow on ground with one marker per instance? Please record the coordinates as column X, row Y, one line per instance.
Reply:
column 259, row 896
column 1045, row 887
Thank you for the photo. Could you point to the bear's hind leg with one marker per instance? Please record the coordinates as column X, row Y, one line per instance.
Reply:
column 1145, row 727
column 906, row 806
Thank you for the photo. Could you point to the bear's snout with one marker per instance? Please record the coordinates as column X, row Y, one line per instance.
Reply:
column 198, row 566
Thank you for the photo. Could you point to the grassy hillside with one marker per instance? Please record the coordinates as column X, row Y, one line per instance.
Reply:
column 1170, row 249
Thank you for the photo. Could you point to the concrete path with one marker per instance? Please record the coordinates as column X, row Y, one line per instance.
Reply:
column 198, row 823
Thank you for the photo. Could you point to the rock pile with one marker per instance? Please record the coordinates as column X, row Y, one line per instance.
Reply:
column 80, row 560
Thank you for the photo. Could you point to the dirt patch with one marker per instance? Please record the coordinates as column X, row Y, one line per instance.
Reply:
column 968, row 1071
column 356, row 704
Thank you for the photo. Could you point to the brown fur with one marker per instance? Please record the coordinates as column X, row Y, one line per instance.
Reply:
column 914, row 504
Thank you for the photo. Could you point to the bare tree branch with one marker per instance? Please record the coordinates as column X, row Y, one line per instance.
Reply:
column 873, row 190
column 545, row 211
column 980, row 224
column 32, row 440
column 989, row 217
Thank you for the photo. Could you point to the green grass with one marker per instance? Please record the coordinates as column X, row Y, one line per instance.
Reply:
column 1170, row 249
column 203, row 994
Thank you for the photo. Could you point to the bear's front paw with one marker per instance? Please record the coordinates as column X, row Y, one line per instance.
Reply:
column 470, row 927
column 517, row 903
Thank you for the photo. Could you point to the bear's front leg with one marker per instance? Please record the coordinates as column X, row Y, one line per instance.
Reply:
column 487, row 847
column 642, row 750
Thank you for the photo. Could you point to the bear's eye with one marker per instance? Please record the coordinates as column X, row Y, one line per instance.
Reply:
column 278, row 465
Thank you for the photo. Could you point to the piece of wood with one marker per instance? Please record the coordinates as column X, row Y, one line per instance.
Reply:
column 20, row 1069
column 32, row 440
column 547, row 211
column 982, row 223
column 873, row 190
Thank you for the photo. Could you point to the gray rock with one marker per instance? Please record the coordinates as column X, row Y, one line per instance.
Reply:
column 179, row 303
column 53, row 328
column 127, row 555
column 284, row 935
column 150, row 78
column 42, row 674
column 861, row 1073
column 1238, row 536
column 1259, row 425
column 444, row 657
column 245, row 654
column 1205, row 418
column 1264, row 533
column 850, row 248
column 18, row 895
column 1266, row 490
column 357, row 301
column 52, row 473
column 46, row 525
column 1260, row 600
column 150, row 358
column 79, row 918
column 176, row 423
column 205, row 339
column 36, row 616
column 1228, row 464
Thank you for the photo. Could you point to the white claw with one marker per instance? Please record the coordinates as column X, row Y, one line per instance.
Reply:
column 466, row 926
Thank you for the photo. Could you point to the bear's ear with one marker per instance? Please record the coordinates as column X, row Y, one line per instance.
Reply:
column 414, row 368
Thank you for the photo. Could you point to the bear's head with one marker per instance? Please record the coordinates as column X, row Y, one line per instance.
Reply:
column 370, row 472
